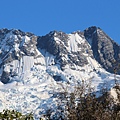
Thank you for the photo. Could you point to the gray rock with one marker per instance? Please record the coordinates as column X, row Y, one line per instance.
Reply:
column 105, row 50
column 96, row 45
column 5, row 77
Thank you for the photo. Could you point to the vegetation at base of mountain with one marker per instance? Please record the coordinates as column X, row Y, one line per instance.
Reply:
column 14, row 115
column 84, row 104
column 81, row 106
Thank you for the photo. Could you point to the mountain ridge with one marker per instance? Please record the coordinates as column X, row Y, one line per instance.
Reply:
column 33, row 68
column 92, row 41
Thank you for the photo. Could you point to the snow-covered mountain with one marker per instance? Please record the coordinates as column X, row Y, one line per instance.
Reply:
column 33, row 68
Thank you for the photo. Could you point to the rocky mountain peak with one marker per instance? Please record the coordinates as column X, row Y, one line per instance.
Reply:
column 105, row 50
column 89, row 31
column 74, row 49
column 14, row 44
column 4, row 31
column 37, row 68
column 66, row 47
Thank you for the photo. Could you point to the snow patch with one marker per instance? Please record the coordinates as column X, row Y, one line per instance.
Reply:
column 74, row 40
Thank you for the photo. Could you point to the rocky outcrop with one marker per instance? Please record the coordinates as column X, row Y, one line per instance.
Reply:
column 105, row 50
column 58, row 44
column 14, row 44
column 69, row 50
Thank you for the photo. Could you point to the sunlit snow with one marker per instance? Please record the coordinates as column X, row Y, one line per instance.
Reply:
column 32, row 86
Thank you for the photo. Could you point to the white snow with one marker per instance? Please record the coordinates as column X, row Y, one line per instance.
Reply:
column 34, row 94
column 113, row 93
column 73, row 41
column 93, row 63
column 28, row 63
column 16, row 46
column 32, row 87
column 48, row 59
column 25, row 39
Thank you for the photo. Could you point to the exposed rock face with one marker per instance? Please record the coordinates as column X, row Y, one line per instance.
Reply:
column 49, row 43
column 68, row 48
column 19, row 50
column 5, row 77
column 14, row 44
column 105, row 50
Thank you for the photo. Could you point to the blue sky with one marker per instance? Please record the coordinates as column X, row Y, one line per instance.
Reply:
column 43, row 16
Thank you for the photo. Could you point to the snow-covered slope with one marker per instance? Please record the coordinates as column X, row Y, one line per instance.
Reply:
column 33, row 68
